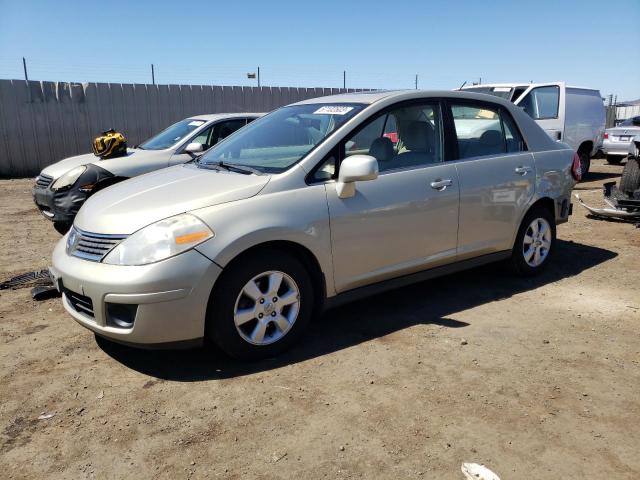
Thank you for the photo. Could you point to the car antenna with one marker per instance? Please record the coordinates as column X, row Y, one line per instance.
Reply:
column 463, row 84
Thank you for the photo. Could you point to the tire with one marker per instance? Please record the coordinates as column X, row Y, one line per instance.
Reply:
column 614, row 160
column 630, row 179
column 262, row 337
column 585, row 163
column 62, row 227
column 525, row 266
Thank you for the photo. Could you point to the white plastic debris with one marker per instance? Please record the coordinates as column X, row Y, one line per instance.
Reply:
column 46, row 416
column 475, row 471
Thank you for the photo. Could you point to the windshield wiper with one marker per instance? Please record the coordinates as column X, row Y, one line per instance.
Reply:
column 232, row 167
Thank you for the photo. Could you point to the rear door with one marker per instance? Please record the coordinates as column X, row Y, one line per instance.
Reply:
column 496, row 174
column 545, row 103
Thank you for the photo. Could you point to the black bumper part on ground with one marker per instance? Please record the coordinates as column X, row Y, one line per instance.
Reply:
column 61, row 206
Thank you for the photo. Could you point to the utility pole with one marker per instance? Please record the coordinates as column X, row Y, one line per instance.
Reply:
column 153, row 75
column 258, row 77
column 344, row 79
column 416, row 81
column 26, row 78
column 24, row 66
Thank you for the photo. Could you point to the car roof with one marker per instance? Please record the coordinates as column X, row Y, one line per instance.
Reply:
column 371, row 97
column 223, row 116
column 522, row 84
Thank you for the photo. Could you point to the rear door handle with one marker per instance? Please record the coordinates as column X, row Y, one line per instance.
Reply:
column 523, row 170
column 441, row 184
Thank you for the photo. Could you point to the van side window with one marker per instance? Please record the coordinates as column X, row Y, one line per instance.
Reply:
column 542, row 102
column 479, row 130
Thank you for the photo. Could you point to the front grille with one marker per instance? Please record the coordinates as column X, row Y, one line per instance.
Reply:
column 92, row 246
column 43, row 181
column 80, row 303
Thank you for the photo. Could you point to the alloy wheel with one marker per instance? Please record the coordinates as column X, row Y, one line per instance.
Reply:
column 266, row 308
column 537, row 242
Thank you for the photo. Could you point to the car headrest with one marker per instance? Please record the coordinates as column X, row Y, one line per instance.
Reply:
column 491, row 138
column 418, row 136
column 382, row 149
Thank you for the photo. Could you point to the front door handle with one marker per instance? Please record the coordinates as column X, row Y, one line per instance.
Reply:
column 522, row 170
column 440, row 185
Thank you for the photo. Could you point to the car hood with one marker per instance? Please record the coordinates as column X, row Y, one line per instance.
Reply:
column 114, row 165
column 130, row 205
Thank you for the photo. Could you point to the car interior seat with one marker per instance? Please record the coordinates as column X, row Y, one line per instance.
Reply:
column 382, row 149
column 418, row 138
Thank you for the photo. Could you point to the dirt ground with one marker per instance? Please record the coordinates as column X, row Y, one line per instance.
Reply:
column 537, row 379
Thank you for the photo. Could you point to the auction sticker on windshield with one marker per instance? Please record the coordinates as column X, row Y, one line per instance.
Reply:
column 196, row 123
column 333, row 110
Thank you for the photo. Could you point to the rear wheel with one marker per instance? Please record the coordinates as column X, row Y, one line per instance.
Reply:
column 630, row 179
column 585, row 163
column 535, row 242
column 613, row 160
column 260, row 306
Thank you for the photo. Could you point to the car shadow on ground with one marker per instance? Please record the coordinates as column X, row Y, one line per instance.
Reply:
column 595, row 177
column 430, row 302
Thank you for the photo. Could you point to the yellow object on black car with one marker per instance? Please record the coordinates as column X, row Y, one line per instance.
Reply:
column 110, row 144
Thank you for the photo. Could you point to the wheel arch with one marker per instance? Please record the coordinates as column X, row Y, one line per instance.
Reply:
column 586, row 147
column 545, row 202
column 298, row 251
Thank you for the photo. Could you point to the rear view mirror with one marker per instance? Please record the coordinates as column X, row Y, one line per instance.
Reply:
column 356, row 168
column 194, row 147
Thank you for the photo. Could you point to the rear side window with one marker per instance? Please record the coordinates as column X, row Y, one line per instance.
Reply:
column 484, row 130
column 542, row 102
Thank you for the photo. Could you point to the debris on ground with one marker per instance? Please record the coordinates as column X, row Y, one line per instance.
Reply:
column 475, row 471
column 46, row 416
column 38, row 277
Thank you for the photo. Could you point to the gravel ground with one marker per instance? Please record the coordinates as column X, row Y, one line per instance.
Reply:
column 535, row 378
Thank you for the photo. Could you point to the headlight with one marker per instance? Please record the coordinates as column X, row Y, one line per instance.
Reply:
column 160, row 240
column 68, row 178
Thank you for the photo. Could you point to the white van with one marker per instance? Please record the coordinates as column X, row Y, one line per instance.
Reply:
column 573, row 115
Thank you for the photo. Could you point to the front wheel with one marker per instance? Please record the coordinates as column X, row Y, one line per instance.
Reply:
column 260, row 306
column 62, row 227
column 535, row 242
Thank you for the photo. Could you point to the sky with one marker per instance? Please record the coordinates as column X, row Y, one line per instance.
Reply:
column 310, row 44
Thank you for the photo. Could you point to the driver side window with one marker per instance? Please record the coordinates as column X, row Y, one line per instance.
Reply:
column 404, row 137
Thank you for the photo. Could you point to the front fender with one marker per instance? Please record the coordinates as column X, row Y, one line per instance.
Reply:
column 299, row 216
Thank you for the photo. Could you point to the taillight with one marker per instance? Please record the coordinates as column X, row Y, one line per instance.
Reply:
column 606, row 135
column 576, row 168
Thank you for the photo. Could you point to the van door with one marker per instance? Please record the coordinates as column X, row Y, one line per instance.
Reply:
column 545, row 103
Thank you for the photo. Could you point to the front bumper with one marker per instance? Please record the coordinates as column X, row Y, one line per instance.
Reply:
column 59, row 206
column 616, row 148
column 171, row 296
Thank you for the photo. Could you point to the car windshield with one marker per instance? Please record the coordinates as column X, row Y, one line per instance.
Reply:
column 631, row 122
column 277, row 141
column 172, row 135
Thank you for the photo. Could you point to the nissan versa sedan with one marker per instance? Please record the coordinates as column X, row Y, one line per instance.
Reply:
column 62, row 188
column 317, row 203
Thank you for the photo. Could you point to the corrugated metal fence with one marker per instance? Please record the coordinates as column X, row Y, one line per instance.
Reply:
column 47, row 121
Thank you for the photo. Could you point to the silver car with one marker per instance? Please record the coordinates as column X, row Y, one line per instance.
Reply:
column 317, row 203
column 62, row 188
column 618, row 140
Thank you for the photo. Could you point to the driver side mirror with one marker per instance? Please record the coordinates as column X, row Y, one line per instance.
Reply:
column 194, row 147
column 356, row 168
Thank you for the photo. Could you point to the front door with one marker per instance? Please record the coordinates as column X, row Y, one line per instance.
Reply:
column 545, row 104
column 407, row 219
